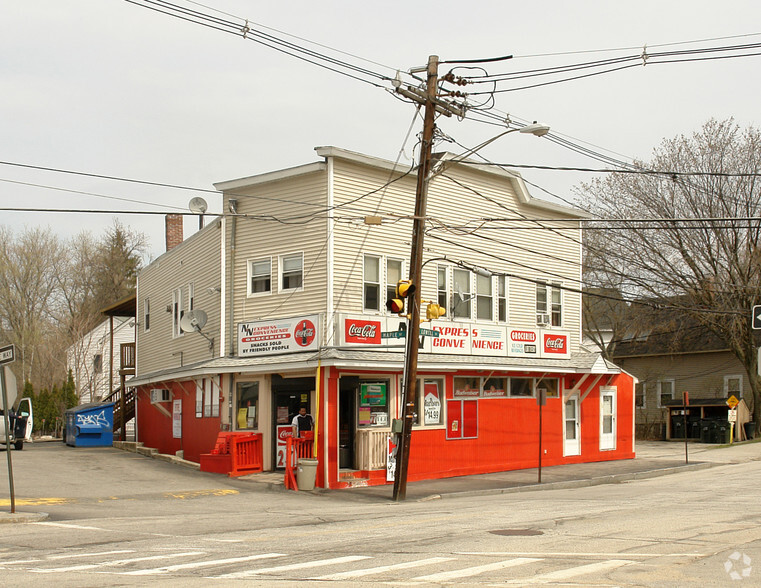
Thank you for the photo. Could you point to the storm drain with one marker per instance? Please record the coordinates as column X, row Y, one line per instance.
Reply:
column 516, row 532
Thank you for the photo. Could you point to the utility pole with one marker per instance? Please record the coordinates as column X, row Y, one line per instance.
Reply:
column 409, row 389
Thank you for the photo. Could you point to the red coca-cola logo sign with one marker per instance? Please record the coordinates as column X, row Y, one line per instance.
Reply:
column 523, row 336
column 365, row 332
column 304, row 333
column 284, row 432
column 556, row 344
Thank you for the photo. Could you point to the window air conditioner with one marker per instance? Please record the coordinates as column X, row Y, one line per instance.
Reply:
column 543, row 320
column 160, row 395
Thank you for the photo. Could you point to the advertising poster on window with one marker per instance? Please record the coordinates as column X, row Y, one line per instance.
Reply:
column 279, row 336
column 177, row 419
column 283, row 432
column 467, row 387
column 431, row 404
column 373, row 404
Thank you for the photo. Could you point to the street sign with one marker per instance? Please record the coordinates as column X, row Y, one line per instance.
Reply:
column 7, row 354
column 732, row 401
column 756, row 314
column 732, row 415
column 429, row 332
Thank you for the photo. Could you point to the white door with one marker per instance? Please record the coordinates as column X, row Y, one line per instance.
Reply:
column 571, row 427
column 607, row 417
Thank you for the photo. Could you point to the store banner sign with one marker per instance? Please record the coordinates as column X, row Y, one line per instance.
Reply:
column 523, row 343
column 555, row 345
column 279, row 336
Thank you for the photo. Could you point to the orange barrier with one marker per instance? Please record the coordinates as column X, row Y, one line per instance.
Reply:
column 234, row 454
column 297, row 448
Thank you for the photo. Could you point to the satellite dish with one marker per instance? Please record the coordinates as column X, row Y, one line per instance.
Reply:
column 193, row 320
column 198, row 205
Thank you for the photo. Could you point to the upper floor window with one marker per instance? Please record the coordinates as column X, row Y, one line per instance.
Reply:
column 97, row 363
column 442, row 289
column 292, row 272
column 665, row 392
column 147, row 314
column 177, row 312
column 484, row 298
column 191, row 296
column 549, row 304
column 462, row 297
column 393, row 275
column 371, row 283
column 640, row 395
column 260, row 276
column 733, row 386
column 502, row 299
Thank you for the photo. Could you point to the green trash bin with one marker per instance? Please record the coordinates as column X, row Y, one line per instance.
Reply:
column 723, row 432
column 677, row 429
column 705, row 430
column 713, row 432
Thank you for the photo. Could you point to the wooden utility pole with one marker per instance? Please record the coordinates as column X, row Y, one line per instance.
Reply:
column 409, row 389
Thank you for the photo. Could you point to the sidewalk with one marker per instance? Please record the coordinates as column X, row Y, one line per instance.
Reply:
column 654, row 458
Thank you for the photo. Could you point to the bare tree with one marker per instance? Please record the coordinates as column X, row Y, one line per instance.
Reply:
column 689, row 238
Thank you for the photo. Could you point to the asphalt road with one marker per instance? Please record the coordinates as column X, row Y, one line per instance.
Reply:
column 120, row 519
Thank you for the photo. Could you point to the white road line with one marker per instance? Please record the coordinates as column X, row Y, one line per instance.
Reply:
column 382, row 569
column 577, row 554
column 95, row 554
column 572, row 572
column 297, row 566
column 116, row 562
column 201, row 564
column 70, row 526
column 475, row 570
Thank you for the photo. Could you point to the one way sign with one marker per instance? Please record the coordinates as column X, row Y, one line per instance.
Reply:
column 757, row 316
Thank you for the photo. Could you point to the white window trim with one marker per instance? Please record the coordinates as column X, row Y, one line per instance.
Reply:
column 191, row 296
column 733, row 377
column 379, row 284
column 673, row 391
column 470, row 297
column 420, row 387
column 146, row 315
column 492, row 297
column 549, row 286
column 506, row 297
column 384, row 289
column 250, row 275
column 280, row 272
column 177, row 312
column 614, row 416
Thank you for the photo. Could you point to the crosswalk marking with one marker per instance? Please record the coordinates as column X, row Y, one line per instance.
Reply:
column 116, row 562
column 297, row 566
column 96, row 554
column 567, row 573
column 201, row 564
column 475, row 570
column 382, row 569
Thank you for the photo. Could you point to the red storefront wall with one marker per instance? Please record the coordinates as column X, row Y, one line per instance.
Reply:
column 154, row 428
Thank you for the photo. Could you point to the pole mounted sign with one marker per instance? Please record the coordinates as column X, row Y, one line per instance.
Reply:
column 7, row 354
column 756, row 315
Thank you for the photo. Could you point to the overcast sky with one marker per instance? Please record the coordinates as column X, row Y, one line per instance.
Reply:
column 108, row 87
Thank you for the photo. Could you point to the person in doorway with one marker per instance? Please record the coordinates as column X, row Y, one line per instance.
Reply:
column 302, row 422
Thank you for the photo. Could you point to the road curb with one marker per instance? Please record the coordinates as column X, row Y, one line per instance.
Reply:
column 581, row 483
column 23, row 517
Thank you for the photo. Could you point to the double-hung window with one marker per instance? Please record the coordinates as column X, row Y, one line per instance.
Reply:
column 260, row 277
column 502, row 299
column 371, row 283
column 665, row 392
column 177, row 312
column 393, row 275
column 147, row 315
column 462, row 296
column 640, row 395
column 441, row 286
column 292, row 272
column 549, row 304
column 484, row 298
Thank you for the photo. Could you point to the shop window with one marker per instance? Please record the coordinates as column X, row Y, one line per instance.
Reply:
column 260, row 277
column 371, row 283
column 484, row 298
column 521, row 387
column 467, row 387
column 551, row 387
column 393, row 275
column 640, row 395
column 665, row 392
column 494, row 388
column 292, row 272
column 462, row 419
column 247, row 404
column 733, row 386
column 373, row 404
column 429, row 410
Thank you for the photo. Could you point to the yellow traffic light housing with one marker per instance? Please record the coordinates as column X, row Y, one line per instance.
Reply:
column 403, row 289
column 434, row 311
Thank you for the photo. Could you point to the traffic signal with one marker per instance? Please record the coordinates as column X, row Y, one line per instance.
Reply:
column 434, row 311
column 403, row 289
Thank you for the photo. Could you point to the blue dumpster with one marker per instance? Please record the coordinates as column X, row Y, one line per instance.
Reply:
column 90, row 425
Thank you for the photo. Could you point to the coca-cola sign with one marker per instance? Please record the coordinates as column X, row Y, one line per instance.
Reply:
column 304, row 333
column 286, row 335
column 555, row 343
column 362, row 332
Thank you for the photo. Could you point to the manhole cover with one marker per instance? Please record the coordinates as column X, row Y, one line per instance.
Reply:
column 516, row 532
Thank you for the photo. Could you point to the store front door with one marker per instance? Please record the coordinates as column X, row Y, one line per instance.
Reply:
column 288, row 396
column 347, row 420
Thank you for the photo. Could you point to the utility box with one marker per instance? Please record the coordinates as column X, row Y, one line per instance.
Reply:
column 90, row 425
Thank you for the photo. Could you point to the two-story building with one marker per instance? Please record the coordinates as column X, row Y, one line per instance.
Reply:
column 293, row 280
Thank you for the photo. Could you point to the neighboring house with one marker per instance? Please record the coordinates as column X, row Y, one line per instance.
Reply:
column 90, row 357
column 293, row 282
column 670, row 354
